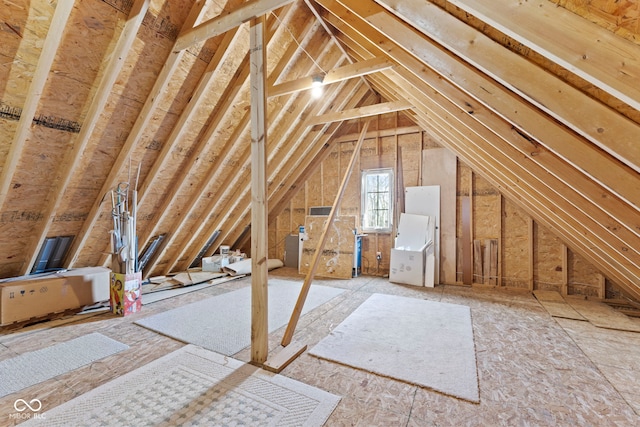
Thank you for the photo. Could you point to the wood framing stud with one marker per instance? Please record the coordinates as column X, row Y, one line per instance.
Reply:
column 259, row 212
column 297, row 310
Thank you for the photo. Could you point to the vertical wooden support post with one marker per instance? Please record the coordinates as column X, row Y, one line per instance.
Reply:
column 259, row 212
column 565, row 270
column 297, row 310
column 501, row 222
column 531, row 253
column 602, row 290
column 467, row 244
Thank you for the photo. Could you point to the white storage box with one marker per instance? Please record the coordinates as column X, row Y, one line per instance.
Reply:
column 413, row 256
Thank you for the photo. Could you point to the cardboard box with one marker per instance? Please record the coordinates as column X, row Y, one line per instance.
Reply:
column 409, row 260
column 33, row 297
column 215, row 263
column 126, row 293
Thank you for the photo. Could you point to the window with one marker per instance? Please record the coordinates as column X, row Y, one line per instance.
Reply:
column 377, row 200
column 52, row 254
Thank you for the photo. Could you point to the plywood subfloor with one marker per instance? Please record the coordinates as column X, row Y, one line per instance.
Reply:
column 532, row 370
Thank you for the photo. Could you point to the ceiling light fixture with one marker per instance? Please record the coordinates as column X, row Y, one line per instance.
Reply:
column 316, row 86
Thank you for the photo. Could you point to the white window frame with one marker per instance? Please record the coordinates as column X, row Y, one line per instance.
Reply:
column 386, row 225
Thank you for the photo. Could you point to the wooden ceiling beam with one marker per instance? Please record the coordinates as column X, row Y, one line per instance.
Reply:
column 96, row 107
column 139, row 127
column 45, row 61
column 586, row 49
column 346, row 72
column 603, row 126
column 312, row 7
column 223, row 23
column 365, row 111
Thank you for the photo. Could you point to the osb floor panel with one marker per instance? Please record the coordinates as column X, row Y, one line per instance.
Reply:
column 533, row 370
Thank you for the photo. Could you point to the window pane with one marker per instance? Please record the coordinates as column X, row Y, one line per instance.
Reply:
column 377, row 199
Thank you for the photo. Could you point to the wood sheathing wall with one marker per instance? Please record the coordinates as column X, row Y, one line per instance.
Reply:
column 538, row 100
column 529, row 256
column 182, row 115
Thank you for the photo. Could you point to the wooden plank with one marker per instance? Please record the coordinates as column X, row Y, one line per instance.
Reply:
column 223, row 23
column 306, row 285
column 565, row 270
column 556, row 305
column 595, row 121
column 478, row 276
column 99, row 100
column 355, row 113
column 48, row 54
column 603, row 316
column 183, row 278
column 346, row 72
column 530, row 241
column 259, row 212
column 467, row 255
column 286, row 355
column 439, row 167
column 582, row 47
column 493, row 261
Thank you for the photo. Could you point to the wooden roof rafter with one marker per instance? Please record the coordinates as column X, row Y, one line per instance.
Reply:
column 186, row 116
column 142, row 121
column 613, row 258
column 232, row 145
column 98, row 101
column 223, row 23
column 47, row 56
column 598, row 123
column 580, row 46
column 224, row 202
column 236, row 223
column 179, row 180
column 618, row 177
column 312, row 7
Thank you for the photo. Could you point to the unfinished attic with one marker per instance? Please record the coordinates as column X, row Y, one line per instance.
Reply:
column 323, row 212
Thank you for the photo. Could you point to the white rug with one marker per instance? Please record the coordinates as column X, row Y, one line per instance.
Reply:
column 426, row 343
column 37, row 366
column 223, row 323
column 194, row 386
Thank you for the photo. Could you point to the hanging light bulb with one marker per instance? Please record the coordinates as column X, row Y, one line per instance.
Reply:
column 316, row 86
